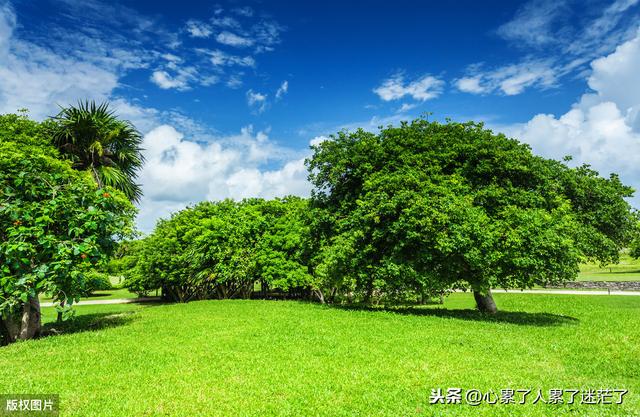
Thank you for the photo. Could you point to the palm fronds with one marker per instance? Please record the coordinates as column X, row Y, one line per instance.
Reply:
column 95, row 139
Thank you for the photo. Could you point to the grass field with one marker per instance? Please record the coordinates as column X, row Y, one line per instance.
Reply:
column 261, row 358
column 627, row 270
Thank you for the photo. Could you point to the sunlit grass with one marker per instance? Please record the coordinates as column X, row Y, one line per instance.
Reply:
column 627, row 270
column 262, row 358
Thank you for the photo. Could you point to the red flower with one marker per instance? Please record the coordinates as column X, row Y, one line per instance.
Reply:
column 106, row 195
column 17, row 223
column 83, row 256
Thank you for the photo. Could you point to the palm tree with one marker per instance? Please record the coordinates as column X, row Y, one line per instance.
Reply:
column 95, row 139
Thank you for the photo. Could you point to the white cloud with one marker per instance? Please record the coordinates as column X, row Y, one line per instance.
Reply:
column 406, row 107
column 163, row 80
column 509, row 80
column 221, row 58
column 605, row 31
column 198, row 29
column 470, row 85
column 172, row 58
column 234, row 81
column 266, row 33
column 179, row 172
column 143, row 118
column 231, row 39
column 603, row 127
column 532, row 24
column 225, row 22
column 291, row 179
column 616, row 77
column 424, row 88
column 7, row 25
column 256, row 100
column 318, row 140
column 282, row 90
column 36, row 78
column 556, row 44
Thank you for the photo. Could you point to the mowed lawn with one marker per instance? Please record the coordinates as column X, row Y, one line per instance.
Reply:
column 627, row 270
column 262, row 358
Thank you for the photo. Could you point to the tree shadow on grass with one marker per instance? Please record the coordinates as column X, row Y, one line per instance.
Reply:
column 511, row 317
column 87, row 323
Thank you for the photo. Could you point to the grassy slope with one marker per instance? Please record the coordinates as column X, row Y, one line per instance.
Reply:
column 264, row 358
column 627, row 270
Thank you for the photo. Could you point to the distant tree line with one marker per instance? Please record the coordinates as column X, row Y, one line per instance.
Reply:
column 401, row 215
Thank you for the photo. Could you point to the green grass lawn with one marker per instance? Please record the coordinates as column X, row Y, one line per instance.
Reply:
column 262, row 358
column 627, row 270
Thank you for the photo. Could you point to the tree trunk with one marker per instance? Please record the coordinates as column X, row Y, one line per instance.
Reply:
column 485, row 302
column 22, row 326
column 59, row 318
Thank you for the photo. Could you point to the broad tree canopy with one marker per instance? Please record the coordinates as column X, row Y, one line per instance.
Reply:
column 428, row 206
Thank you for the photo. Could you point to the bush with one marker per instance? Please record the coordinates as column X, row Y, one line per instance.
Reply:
column 96, row 281
column 222, row 250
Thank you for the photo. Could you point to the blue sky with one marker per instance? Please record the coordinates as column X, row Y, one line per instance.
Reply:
column 229, row 95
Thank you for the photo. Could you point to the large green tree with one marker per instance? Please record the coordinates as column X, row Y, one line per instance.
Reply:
column 426, row 206
column 95, row 139
column 55, row 225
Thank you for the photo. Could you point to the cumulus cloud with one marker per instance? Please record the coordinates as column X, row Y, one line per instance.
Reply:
column 186, row 163
column 603, row 127
column 163, row 80
column 424, row 88
column 179, row 172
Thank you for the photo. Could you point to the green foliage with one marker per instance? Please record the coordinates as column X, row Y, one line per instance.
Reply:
column 634, row 247
column 96, row 281
column 222, row 249
column 423, row 206
column 55, row 224
column 95, row 139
